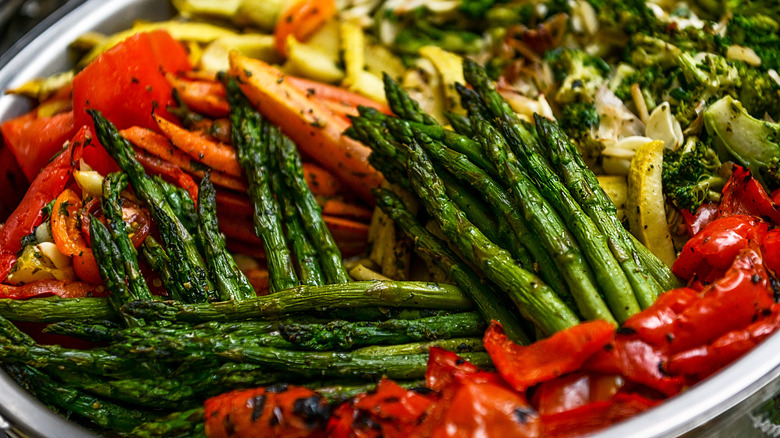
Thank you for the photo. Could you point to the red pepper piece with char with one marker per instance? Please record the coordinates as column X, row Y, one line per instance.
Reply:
column 274, row 411
column 595, row 416
column 525, row 366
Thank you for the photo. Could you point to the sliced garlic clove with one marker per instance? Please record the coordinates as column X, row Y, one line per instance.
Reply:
column 90, row 182
column 57, row 258
column 663, row 126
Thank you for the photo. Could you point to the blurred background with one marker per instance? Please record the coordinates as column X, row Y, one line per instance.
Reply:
column 17, row 17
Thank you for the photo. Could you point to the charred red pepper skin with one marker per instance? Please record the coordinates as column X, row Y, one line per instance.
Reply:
column 49, row 183
column 770, row 249
column 274, row 411
column 525, row 366
column 653, row 324
column 46, row 288
column 575, row 390
column 705, row 214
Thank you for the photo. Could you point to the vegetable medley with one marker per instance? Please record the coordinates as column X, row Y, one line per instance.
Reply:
column 394, row 218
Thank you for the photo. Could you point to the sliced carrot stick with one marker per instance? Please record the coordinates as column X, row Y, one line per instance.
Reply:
column 332, row 93
column 218, row 156
column 236, row 203
column 159, row 146
column 314, row 128
column 301, row 20
column 252, row 249
column 320, row 181
column 345, row 229
column 258, row 278
column 336, row 207
column 340, row 109
column 204, row 97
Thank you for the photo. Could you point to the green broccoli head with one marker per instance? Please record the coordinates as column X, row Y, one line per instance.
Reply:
column 690, row 174
column 759, row 94
column 580, row 74
column 644, row 50
column 580, row 121
column 631, row 16
column 759, row 32
column 653, row 81
column 770, row 8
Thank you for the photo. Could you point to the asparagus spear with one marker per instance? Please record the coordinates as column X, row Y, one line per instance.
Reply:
column 292, row 170
column 181, row 203
column 343, row 335
column 662, row 274
column 113, row 185
column 536, row 301
column 156, row 256
column 403, row 105
column 483, row 295
column 53, row 309
column 495, row 196
column 189, row 268
column 101, row 412
column 584, row 185
column 610, row 277
column 111, row 268
column 230, row 283
column 460, row 123
column 305, row 254
column 547, row 225
column 308, row 298
column 186, row 424
column 250, row 134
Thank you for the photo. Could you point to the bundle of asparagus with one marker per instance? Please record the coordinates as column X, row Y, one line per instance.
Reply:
column 157, row 357
column 541, row 230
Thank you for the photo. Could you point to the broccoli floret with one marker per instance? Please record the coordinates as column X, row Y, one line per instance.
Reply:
column 752, row 142
column 580, row 75
column 647, row 51
column 759, row 32
column 653, row 82
column 631, row 16
column 690, row 174
column 477, row 8
column 770, row 8
column 580, row 121
column 420, row 27
column 759, row 94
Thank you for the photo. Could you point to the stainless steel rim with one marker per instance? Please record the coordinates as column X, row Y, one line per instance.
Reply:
column 714, row 403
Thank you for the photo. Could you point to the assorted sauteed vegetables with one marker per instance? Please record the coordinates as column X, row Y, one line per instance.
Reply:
column 573, row 218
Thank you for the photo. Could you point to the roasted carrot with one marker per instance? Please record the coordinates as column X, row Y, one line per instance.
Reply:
column 335, row 94
column 314, row 128
column 258, row 278
column 254, row 250
column 301, row 20
column 43, row 288
column 204, row 97
column 336, row 207
column 216, row 155
column 159, row 146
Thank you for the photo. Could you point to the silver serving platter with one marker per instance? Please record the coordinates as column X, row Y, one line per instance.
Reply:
column 717, row 406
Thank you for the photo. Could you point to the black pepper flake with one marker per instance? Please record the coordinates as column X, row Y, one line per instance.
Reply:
column 628, row 331
column 522, row 414
column 669, row 337
column 314, row 411
column 277, row 388
column 422, row 390
column 227, row 423
column 459, row 361
column 755, row 278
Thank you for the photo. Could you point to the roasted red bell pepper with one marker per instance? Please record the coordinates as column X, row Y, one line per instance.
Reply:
column 575, row 390
column 126, row 83
column 595, row 416
column 705, row 360
column 708, row 254
column 274, row 411
column 706, row 213
column 525, row 366
column 653, row 325
column 744, row 195
column 479, row 405
column 442, row 365
column 49, row 183
column 770, row 249
column 33, row 140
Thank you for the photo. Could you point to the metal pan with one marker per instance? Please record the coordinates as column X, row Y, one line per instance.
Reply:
column 709, row 408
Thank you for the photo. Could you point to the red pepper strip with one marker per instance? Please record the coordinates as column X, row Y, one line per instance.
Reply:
column 168, row 172
column 703, row 361
column 49, row 183
column 731, row 303
column 525, row 366
column 275, row 411
column 575, row 390
column 653, row 324
column 394, row 409
column 637, row 361
column 479, row 405
column 44, row 288
column 342, row 424
column 710, row 252
column 441, row 366
column 744, row 195
column 706, row 213
column 34, row 140
column 770, row 249
column 595, row 416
